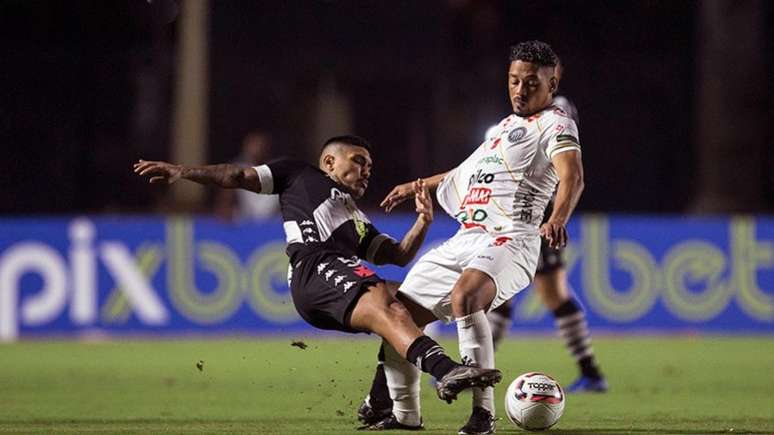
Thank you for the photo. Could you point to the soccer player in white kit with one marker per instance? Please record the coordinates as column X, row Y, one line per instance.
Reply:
column 498, row 195
column 554, row 292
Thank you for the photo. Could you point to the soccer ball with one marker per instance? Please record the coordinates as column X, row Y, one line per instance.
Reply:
column 534, row 401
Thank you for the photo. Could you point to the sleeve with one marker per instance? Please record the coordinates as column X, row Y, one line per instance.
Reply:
column 371, row 243
column 449, row 192
column 277, row 175
column 563, row 137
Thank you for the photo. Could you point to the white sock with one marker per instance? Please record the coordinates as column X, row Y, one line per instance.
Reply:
column 403, row 381
column 475, row 340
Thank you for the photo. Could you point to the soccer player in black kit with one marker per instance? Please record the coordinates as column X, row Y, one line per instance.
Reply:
column 328, row 237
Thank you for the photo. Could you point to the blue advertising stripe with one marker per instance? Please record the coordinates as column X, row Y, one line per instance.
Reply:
column 166, row 276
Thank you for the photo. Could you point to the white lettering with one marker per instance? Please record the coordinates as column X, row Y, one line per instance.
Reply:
column 83, row 307
column 138, row 290
column 30, row 257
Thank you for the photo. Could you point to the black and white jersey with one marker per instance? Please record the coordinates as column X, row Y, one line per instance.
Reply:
column 319, row 214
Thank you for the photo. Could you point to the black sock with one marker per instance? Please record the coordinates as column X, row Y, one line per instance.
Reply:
column 380, row 394
column 568, row 308
column 429, row 357
column 571, row 322
column 589, row 367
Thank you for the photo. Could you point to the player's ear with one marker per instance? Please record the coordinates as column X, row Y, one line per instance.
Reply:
column 553, row 84
column 328, row 161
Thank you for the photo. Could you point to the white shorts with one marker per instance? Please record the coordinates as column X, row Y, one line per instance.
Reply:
column 509, row 260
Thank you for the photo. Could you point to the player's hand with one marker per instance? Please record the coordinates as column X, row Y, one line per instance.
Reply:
column 159, row 172
column 423, row 201
column 555, row 233
column 397, row 195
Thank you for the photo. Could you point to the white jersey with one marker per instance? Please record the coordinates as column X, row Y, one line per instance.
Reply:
column 505, row 185
column 569, row 108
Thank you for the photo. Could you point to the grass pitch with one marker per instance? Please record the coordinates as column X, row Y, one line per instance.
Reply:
column 658, row 385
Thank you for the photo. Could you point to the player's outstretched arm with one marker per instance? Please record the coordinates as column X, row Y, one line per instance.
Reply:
column 404, row 191
column 402, row 253
column 223, row 175
column 569, row 168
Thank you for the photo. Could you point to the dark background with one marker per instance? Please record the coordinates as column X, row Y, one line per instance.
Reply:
column 86, row 88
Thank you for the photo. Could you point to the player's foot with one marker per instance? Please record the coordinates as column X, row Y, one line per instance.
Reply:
column 389, row 423
column 585, row 384
column 463, row 377
column 480, row 422
column 369, row 415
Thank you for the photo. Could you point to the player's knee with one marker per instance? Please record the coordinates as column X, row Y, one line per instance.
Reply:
column 458, row 302
column 470, row 296
column 552, row 289
column 463, row 300
column 396, row 311
column 383, row 306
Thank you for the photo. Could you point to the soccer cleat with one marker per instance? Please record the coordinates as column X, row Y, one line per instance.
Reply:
column 480, row 422
column 368, row 415
column 463, row 377
column 389, row 423
column 585, row 384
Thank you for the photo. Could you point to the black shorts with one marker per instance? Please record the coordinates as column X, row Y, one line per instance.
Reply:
column 550, row 258
column 326, row 286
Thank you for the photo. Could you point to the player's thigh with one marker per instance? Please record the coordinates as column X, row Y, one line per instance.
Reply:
column 474, row 291
column 552, row 288
column 376, row 303
column 380, row 312
column 429, row 284
column 419, row 314
column 393, row 287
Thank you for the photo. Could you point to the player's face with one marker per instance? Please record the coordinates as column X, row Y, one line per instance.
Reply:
column 530, row 87
column 352, row 169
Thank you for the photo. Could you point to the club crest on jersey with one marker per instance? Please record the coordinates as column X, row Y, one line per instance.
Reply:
column 517, row 134
column 363, row 271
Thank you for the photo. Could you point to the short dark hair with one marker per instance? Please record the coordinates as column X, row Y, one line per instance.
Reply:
column 537, row 52
column 349, row 139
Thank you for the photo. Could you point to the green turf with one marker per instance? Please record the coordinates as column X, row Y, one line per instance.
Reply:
column 678, row 386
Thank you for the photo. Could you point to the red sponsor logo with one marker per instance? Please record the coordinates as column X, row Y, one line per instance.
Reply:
column 559, row 128
column 363, row 271
column 477, row 195
column 501, row 241
column 495, row 143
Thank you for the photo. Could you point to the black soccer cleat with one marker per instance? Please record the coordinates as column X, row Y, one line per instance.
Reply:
column 369, row 415
column 480, row 422
column 391, row 423
column 463, row 377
